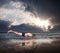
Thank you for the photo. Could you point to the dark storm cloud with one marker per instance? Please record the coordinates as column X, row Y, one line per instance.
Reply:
column 26, row 28
column 4, row 25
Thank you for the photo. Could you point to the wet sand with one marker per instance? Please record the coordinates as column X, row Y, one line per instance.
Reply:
column 30, row 47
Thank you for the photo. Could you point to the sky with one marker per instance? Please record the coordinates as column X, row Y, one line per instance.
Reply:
column 43, row 14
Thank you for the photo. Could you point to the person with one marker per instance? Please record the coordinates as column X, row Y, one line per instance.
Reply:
column 22, row 34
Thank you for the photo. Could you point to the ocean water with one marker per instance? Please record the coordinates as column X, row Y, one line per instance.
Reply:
column 41, row 43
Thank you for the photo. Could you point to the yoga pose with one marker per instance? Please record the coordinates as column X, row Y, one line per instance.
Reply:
column 22, row 34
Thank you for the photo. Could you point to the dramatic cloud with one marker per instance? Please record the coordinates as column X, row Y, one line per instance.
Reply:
column 41, row 13
column 48, row 8
column 17, row 14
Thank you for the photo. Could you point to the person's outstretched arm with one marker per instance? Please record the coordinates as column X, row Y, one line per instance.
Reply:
column 18, row 33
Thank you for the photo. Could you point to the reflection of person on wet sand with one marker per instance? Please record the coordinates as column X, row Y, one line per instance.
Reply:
column 24, row 44
column 22, row 34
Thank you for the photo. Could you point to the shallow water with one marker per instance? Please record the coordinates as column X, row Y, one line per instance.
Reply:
column 40, row 43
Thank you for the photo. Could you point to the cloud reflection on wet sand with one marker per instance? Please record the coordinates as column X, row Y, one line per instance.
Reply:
column 42, row 45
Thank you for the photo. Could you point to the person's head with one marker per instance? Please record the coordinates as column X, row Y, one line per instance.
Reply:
column 34, row 35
